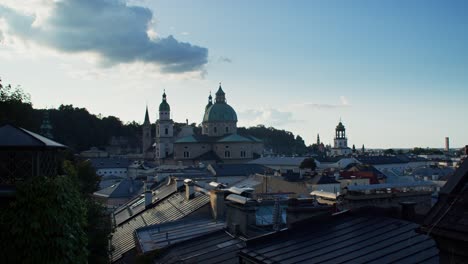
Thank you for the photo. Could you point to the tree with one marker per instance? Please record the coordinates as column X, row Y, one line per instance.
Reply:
column 45, row 223
column 308, row 163
column 99, row 225
column 389, row 152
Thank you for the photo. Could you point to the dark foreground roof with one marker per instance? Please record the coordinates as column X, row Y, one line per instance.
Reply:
column 449, row 216
column 217, row 247
column 347, row 239
column 16, row 137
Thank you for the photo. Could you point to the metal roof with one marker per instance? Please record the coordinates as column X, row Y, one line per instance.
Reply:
column 389, row 185
column 172, row 208
column 110, row 163
column 448, row 217
column 346, row 239
column 137, row 205
column 16, row 137
column 217, row 247
column 245, row 169
column 126, row 188
column 163, row 235
column 278, row 161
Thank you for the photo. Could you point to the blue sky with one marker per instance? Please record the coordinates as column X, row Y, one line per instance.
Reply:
column 393, row 71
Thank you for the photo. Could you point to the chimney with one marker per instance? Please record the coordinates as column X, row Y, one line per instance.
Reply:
column 217, row 204
column 148, row 195
column 239, row 217
column 189, row 190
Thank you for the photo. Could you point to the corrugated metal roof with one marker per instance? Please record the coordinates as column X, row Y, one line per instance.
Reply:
column 163, row 235
column 217, row 247
column 172, row 208
column 345, row 240
column 137, row 205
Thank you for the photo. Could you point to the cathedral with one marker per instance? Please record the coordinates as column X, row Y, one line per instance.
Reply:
column 218, row 142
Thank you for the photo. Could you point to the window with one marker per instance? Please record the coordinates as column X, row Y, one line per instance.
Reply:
column 242, row 154
column 227, row 154
column 227, row 147
column 215, row 130
column 166, row 131
column 227, row 129
column 186, row 154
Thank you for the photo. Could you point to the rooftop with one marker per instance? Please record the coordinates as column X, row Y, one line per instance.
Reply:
column 346, row 239
column 16, row 137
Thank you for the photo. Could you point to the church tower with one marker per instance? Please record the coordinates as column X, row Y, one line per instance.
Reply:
column 340, row 136
column 146, row 138
column 341, row 141
column 164, row 131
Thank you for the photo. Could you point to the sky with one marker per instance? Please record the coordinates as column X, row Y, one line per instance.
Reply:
column 395, row 72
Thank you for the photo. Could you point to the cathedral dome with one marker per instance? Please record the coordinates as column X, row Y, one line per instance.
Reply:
column 220, row 112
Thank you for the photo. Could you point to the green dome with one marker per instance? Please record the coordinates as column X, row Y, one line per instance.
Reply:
column 164, row 106
column 340, row 127
column 220, row 112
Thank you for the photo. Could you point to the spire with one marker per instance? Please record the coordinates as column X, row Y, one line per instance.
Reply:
column 210, row 102
column 220, row 95
column 147, row 121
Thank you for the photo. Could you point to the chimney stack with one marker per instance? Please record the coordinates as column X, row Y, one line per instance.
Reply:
column 189, row 189
column 148, row 195
column 217, row 204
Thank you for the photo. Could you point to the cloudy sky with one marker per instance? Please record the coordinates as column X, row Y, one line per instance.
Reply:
column 395, row 72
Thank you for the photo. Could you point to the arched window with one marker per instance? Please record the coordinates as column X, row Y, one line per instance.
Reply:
column 227, row 129
column 227, row 154
column 166, row 131
column 215, row 130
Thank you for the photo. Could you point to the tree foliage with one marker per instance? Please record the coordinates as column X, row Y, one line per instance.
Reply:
column 308, row 163
column 280, row 141
column 45, row 224
column 98, row 228
column 426, row 151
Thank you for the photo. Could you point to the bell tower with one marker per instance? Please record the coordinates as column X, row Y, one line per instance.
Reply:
column 164, row 131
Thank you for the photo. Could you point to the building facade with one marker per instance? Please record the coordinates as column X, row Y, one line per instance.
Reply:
column 218, row 142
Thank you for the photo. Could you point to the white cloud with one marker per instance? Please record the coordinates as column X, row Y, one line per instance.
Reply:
column 266, row 116
column 343, row 103
column 112, row 30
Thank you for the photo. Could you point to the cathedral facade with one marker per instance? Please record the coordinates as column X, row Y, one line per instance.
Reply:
column 218, row 142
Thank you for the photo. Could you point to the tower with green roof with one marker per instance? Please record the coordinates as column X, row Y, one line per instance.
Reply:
column 219, row 118
column 164, row 145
